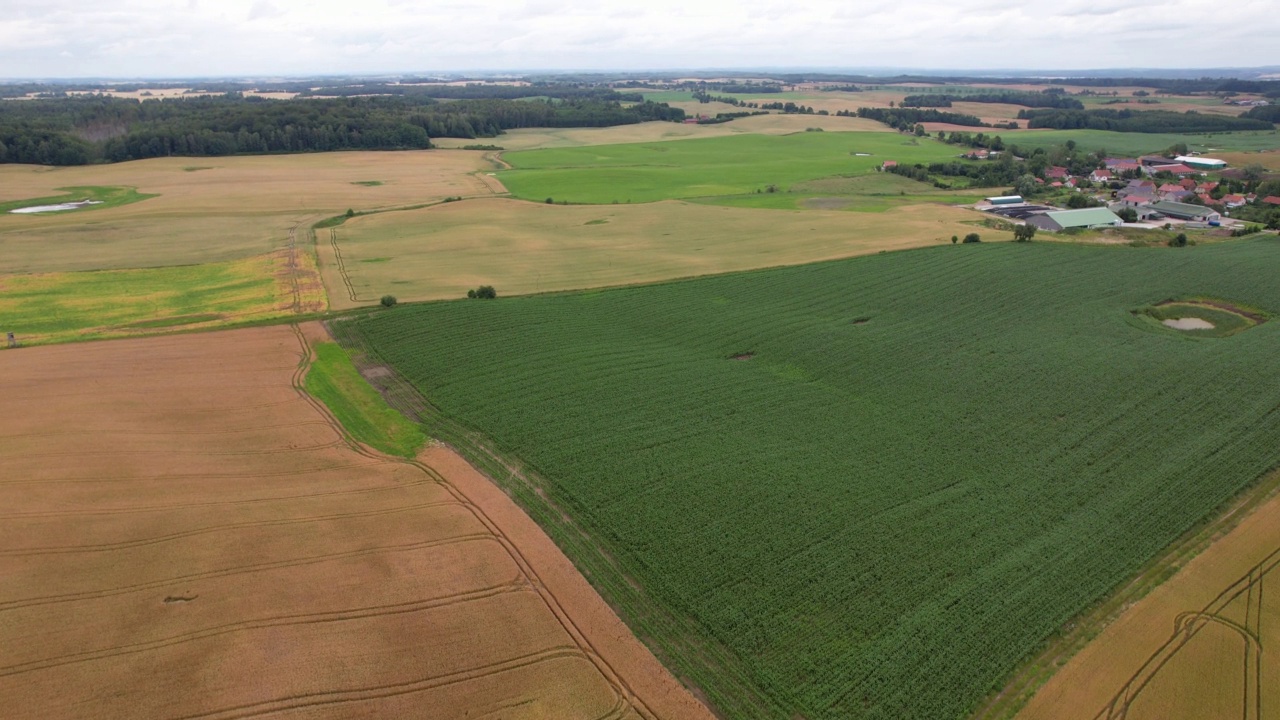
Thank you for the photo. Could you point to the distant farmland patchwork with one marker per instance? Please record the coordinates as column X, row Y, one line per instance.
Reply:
column 866, row 488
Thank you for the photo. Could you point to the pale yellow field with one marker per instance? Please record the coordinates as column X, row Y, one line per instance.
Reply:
column 772, row 124
column 1269, row 159
column 1203, row 645
column 522, row 247
column 215, row 209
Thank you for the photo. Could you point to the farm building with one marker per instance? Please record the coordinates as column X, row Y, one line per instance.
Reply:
column 1006, row 200
column 1201, row 163
column 1184, row 211
column 1069, row 219
column 1176, row 169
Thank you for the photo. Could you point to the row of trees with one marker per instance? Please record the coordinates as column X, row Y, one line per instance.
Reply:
column 1026, row 99
column 81, row 130
column 906, row 119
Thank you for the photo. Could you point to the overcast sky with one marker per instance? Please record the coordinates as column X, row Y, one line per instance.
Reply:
column 152, row 38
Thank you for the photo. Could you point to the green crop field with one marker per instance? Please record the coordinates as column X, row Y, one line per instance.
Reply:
column 736, row 165
column 865, row 488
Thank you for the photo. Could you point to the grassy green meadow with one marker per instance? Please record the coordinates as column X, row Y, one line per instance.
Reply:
column 334, row 380
column 736, row 165
column 866, row 488
column 105, row 197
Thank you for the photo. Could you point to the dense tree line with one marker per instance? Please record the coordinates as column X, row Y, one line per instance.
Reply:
column 908, row 118
column 1139, row 121
column 476, row 91
column 1026, row 99
column 81, row 130
column 1266, row 113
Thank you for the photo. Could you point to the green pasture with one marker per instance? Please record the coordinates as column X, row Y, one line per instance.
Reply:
column 868, row 488
column 334, row 380
column 735, row 165
column 107, row 197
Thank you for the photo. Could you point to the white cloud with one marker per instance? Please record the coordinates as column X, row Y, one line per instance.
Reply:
column 273, row 37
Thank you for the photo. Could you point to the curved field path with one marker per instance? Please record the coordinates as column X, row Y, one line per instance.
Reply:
column 187, row 534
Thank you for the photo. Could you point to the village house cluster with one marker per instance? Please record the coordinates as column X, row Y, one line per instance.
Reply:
column 1181, row 196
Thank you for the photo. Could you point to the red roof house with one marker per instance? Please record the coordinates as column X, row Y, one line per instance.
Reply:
column 889, row 164
column 1057, row 173
column 1101, row 175
column 1272, row 200
column 1177, row 169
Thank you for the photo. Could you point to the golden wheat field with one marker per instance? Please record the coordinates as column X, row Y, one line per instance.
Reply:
column 524, row 247
column 188, row 534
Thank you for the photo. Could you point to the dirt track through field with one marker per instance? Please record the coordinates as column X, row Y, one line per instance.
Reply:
column 186, row 534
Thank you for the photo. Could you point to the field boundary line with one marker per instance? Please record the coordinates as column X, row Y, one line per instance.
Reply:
column 404, row 397
column 553, row 604
column 1037, row 669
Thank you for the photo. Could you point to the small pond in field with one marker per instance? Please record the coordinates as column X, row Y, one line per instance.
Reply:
column 60, row 207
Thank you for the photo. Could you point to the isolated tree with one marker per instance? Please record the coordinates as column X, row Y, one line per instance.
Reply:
column 388, row 300
column 1253, row 172
column 920, row 131
column 1128, row 215
column 351, row 213
column 955, row 239
column 484, row 292
column 1180, row 240
column 972, row 238
column 1026, row 185
column 1024, row 233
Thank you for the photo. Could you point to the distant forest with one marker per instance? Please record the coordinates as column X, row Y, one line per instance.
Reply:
column 80, row 130
column 1026, row 99
column 1140, row 121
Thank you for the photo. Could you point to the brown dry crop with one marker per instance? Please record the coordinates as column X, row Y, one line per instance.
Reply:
column 187, row 534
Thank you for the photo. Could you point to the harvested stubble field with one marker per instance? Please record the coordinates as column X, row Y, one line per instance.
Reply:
column 187, row 534
column 522, row 247
column 771, row 124
column 213, row 209
column 868, row 488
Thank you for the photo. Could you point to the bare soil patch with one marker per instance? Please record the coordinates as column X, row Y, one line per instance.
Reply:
column 204, row 541
column 1188, row 324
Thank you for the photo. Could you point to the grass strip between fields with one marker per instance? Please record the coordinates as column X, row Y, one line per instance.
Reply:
column 334, row 380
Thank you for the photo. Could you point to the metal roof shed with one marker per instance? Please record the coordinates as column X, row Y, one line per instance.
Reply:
column 1086, row 218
